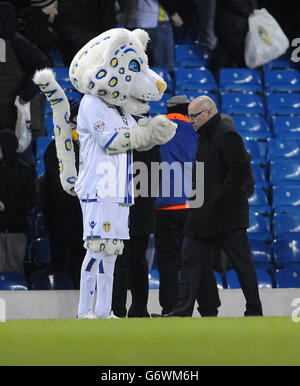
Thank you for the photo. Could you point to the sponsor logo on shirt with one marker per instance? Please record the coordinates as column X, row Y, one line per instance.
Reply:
column 99, row 126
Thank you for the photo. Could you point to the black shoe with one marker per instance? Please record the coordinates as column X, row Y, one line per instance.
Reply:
column 169, row 315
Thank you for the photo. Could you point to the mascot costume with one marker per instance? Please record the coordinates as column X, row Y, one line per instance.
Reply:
column 113, row 74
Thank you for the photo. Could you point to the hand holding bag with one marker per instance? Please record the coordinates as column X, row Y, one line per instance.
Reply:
column 265, row 40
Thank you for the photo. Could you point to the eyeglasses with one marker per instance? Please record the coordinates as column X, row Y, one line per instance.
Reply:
column 194, row 116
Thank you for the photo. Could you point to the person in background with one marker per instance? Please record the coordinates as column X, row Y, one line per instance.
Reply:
column 62, row 212
column 22, row 60
column 171, row 209
column 131, row 269
column 231, row 27
column 37, row 25
column 17, row 199
column 76, row 24
column 223, row 218
column 156, row 17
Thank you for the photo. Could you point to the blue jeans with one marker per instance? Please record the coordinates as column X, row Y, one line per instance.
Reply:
column 161, row 46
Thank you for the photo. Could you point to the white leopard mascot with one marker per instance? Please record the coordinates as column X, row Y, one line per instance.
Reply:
column 113, row 74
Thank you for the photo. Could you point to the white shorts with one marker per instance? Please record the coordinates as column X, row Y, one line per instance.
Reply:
column 103, row 220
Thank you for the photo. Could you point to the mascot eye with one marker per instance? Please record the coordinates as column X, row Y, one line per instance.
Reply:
column 134, row 66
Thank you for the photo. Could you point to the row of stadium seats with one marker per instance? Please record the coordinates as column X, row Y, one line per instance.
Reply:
column 283, row 278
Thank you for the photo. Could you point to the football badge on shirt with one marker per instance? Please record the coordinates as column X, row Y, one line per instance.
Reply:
column 99, row 126
column 106, row 226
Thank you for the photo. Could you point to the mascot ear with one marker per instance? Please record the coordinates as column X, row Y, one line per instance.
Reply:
column 141, row 36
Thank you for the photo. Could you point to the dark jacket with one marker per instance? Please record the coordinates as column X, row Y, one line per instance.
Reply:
column 23, row 58
column 17, row 186
column 36, row 27
column 79, row 21
column 142, row 213
column 53, row 200
column 227, row 171
column 232, row 16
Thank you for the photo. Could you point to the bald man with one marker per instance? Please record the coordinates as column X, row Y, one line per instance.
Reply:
column 223, row 218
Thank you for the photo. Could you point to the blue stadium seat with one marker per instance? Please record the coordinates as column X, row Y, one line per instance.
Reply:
column 259, row 226
column 62, row 281
column 62, row 73
column 56, row 58
column 41, row 146
column 252, row 125
column 189, row 63
column 188, row 79
column 284, row 148
column 48, row 109
column 284, row 170
column 192, row 52
column 259, row 202
column 287, row 251
column 286, row 126
column 241, row 104
column 12, row 281
column 282, row 104
column 153, row 277
column 219, row 280
column 286, row 197
column 286, row 224
column 40, row 280
column 48, row 121
column 259, row 170
column 262, row 254
column 73, row 94
column 256, row 149
column 240, row 80
column 283, row 62
column 159, row 107
column 40, row 251
column 263, row 278
column 259, row 197
column 282, row 80
column 287, row 278
column 194, row 94
column 164, row 73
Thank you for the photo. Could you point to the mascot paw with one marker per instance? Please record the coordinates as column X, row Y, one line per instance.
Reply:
column 107, row 246
column 162, row 129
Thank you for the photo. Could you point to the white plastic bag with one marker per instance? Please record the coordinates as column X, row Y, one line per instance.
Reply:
column 23, row 124
column 265, row 40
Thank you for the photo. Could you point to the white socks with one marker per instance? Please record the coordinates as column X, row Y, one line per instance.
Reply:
column 97, row 272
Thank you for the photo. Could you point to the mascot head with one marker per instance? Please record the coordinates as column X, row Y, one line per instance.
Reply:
column 113, row 66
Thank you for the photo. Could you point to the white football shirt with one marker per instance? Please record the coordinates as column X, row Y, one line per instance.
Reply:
column 102, row 176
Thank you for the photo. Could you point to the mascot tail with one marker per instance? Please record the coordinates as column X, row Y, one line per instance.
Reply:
column 45, row 79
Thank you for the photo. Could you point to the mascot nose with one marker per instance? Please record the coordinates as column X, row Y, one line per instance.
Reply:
column 161, row 85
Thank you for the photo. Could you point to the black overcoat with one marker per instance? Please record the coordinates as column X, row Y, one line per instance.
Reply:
column 227, row 181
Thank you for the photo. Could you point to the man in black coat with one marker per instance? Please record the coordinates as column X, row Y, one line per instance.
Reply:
column 131, row 269
column 231, row 27
column 223, row 218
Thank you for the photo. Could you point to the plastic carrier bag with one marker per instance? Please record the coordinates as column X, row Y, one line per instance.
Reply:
column 265, row 40
column 23, row 124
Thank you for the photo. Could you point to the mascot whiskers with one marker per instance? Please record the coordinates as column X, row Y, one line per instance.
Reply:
column 113, row 74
